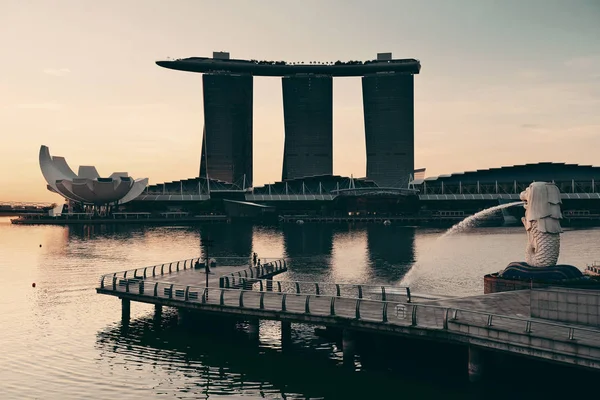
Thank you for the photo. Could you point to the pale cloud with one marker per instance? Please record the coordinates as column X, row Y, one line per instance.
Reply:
column 41, row 106
column 531, row 74
column 57, row 71
column 587, row 62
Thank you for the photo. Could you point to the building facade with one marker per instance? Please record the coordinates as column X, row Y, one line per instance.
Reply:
column 388, row 101
column 308, row 122
column 227, row 139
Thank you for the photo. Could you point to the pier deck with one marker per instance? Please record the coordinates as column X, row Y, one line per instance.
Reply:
column 499, row 322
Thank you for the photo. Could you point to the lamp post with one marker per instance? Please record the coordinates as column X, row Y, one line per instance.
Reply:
column 206, row 243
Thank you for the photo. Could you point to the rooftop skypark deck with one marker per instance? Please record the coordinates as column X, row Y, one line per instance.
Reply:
column 283, row 68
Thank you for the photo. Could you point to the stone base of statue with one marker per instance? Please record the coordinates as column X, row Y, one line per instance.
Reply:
column 520, row 275
column 522, row 270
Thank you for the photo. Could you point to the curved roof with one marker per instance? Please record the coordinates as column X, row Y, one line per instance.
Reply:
column 87, row 187
column 282, row 68
column 543, row 171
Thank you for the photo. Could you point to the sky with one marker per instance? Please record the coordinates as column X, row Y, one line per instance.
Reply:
column 502, row 81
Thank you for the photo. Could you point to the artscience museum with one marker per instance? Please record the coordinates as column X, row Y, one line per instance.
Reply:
column 87, row 187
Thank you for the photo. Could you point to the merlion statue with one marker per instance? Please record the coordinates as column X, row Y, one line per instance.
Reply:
column 542, row 222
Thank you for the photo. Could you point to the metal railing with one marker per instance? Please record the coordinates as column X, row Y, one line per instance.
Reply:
column 252, row 274
column 456, row 320
column 152, row 271
column 172, row 266
column 354, row 291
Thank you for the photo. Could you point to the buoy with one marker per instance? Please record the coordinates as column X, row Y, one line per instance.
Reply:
column 33, row 284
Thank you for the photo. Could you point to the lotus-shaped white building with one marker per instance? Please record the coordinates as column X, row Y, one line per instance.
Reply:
column 87, row 186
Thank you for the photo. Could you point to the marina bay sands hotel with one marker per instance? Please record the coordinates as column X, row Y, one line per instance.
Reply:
column 388, row 102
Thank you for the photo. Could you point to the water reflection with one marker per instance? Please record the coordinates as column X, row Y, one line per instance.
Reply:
column 50, row 334
column 202, row 363
column 308, row 240
column 391, row 252
column 234, row 240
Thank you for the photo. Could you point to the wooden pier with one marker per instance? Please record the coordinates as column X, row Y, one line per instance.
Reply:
column 499, row 322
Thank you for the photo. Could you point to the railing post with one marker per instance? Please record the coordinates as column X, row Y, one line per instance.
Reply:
column 317, row 288
column 337, row 290
column 384, row 317
column 187, row 291
column 360, row 293
column 184, row 265
column 222, row 298
column 145, row 272
column 571, row 334
column 279, row 286
column 489, row 321
column 141, row 287
column 125, row 275
column 332, row 306
column 156, row 289
column 357, row 315
column 227, row 282
column 204, row 295
column 127, row 285
column 528, row 327
column 241, row 298
column 154, row 271
column 455, row 315
column 171, row 291
column 297, row 287
column 307, row 304
column 114, row 282
column 262, row 301
column 383, row 296
column 177, row 268
column 260, row 285
column 283, row 305
column 162, row 269
column 170, row 267
column 251, row 273
column 446, row 319
column 414, row 316
column 246, row 273
column 135, row 273
column 102, row 282
column 408, row 295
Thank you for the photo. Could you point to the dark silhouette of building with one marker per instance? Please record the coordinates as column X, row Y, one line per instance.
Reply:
column 308, row 115
column 388, row 96
column 388, row 101
column 227, row 140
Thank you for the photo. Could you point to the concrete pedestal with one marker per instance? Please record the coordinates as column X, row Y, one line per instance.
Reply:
column 286, row 334
column 348, row 347
column 125, row 310
column 475, row 364
column 254, row 330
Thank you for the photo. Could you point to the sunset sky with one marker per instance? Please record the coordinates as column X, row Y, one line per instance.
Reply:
column 502, row 82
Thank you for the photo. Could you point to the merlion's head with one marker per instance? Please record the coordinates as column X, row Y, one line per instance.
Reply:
column 542, row 205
